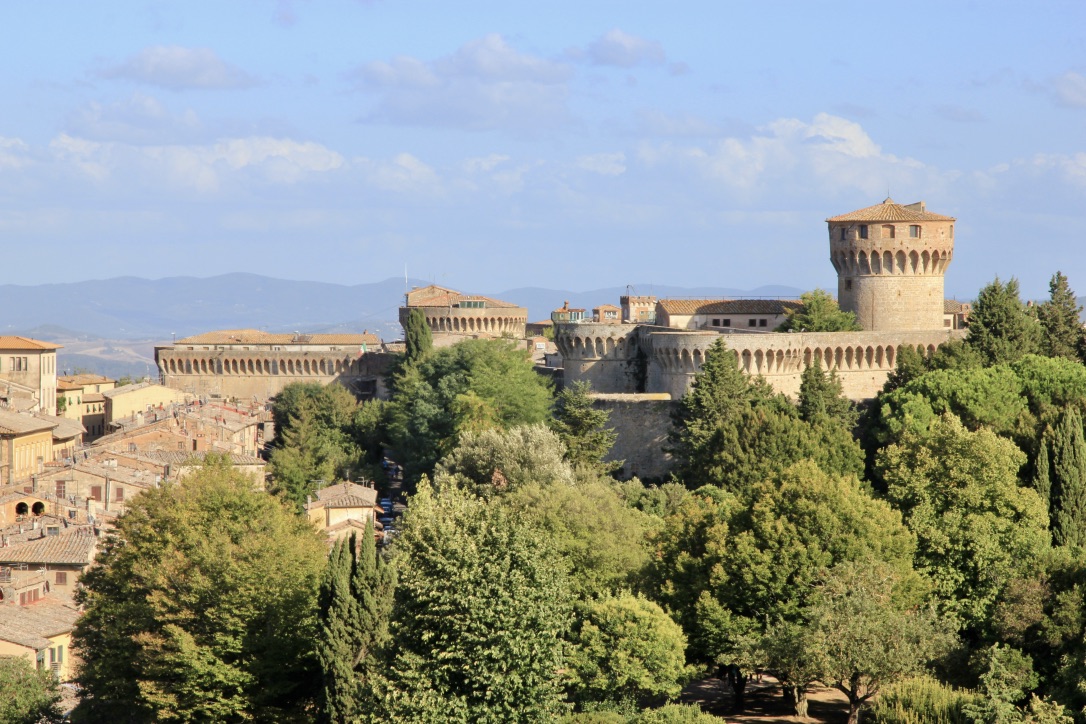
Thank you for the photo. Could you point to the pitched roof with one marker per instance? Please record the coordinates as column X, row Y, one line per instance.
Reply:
column 345, row 495
column 30, row 625
column 435, row 296
column 608, row 306
column 19, row 423
column 728, row 306
column 65, row 428
column 255, row 336
column 25, row 343
column 890, row 211
column 75, row 548
column 72, row 382
column 953, row 306
column 119, row 391
column 185, row 457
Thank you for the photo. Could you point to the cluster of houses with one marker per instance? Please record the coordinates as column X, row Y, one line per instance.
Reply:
column 74, row 452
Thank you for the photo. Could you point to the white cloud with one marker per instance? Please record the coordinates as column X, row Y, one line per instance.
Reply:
column 178, row 68
column 485, row 84
column 139, row 119
column 485, row 164
column 623, row 50
column 200, row 167
column 831, row 152
column 1070, row 89
column 14, row 154
column 605, row 164
column 404, row 173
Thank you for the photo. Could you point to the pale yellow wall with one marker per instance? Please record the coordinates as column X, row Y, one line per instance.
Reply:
column 25, row 451
column 140, row 400
column 36, row 369
column 60, row 648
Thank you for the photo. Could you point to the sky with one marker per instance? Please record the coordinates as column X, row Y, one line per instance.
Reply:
column 573, row 145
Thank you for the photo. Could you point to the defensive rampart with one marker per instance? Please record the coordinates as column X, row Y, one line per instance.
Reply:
column 638, row 358
column 642, row 422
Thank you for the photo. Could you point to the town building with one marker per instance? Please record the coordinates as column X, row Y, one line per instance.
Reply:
column 638, row 309
column 80, row 398
column 343, row 508
column 246, row 364
column 31, row 365
column 763, row 315
column 568, row 315
column 35, row 623
column 607, row 314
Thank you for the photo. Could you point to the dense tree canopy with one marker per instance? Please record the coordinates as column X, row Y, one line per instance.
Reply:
column 582, row 428
column 1000, row 328
column 819, row 313
column 202, row 606
column 732, row 431
column 27, row 695
column 478, row 618
column 417, row 337
column 975, row 526
column 471, row 386
column 1061, row 322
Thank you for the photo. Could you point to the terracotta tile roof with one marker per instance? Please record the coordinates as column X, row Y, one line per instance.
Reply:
column 65, row 428
column 25, row 343
column 255, row 336
column 610, row 307
column 81, row 380
column 94, row 397
column 953, row 306
column 20, row 423
column 435, row 296
column 728, row 306
column 890, row 211
column 344, row 495
column 74, row 549
column 30, row 625
column 183, row 457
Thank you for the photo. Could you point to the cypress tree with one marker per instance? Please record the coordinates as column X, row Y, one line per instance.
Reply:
column 416, row 335
column 1069, row 481
column 355, row 602
column 821, row 397
column 583, row 428
column 1042, row 480
column 1059, row 317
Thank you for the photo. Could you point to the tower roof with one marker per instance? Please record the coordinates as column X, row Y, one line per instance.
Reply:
column 890, row 211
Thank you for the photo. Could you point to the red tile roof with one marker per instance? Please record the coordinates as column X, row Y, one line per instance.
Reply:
column 25, row 343
column 75, row 548
column 890, row 211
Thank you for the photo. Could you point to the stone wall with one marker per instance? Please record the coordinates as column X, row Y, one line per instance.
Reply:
column 255, row 373
column 642, row 422
column 632, row 358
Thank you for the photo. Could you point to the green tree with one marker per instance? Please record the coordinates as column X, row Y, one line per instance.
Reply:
column 1060, row 318
column 479, row 614
column 976, row 528
column 355, row 602
column 202, row 606
column 863, row 638
column 818, row 313
column 1000, row 328
column 728, row 570
column 27, row 695
column 731, row 430
column 626, row 649
column 314, row 425
column 417, row 337
column 583, row 428
column 600, row 541
column 494, row 461
column 822, row 399
column 451, row 389
column 1007, row 676
column 1068, row 481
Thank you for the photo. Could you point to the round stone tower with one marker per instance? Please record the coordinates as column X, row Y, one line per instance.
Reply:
column 890, row 260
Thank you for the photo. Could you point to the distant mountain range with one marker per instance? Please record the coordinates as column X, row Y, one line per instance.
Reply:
column 130, row 308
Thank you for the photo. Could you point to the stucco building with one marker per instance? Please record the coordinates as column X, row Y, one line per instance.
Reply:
column 248, row 363
column 30, row 364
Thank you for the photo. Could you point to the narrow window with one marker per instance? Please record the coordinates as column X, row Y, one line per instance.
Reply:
column 96, row 493
column 863, row 231
column 914, row 231
column 752, row 323
column 120, row 494
column 848, row 284
column 62, row 578
column 842, row 233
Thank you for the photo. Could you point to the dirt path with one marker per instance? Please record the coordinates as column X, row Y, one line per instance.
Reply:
column 765, row 704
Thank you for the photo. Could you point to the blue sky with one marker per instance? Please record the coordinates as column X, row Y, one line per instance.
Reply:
column 490, row 145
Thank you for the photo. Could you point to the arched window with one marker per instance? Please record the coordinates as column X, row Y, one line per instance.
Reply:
column 21, row 509
column 39, row 508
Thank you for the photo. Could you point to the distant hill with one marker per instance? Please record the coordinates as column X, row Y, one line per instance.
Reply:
column 129, row 308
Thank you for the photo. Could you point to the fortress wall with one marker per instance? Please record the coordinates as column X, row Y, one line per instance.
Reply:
column 894, row 302
column 642, row 422
column 637, row 358
column 261, row 374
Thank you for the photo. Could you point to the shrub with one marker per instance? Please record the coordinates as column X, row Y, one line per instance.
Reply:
column 921, row 700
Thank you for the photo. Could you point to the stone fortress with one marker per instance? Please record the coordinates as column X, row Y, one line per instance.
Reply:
column 890, row 261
